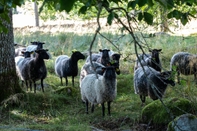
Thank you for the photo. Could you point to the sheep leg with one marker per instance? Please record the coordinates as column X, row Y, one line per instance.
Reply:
column 108, row 104
column 66, row 80
column 92, row 109
column 61, row 81
column 73, row 80
column 42, row 85
column 178, row 77
column 26, row 85
column 30, row 84
column 22, row 83
column 34, row 87
column 143, row 99
column 86, row 106
column 103, row 109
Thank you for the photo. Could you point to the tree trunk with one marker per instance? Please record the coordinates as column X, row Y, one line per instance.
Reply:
column 36, row 13
column 164, row 20
column 9, row 83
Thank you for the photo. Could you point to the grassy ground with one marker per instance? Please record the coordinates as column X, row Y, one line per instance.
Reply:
column 60, row 108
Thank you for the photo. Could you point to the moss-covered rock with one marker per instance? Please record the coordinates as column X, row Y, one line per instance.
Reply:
column 66, row 90
column 160, row 114
column 185, row 122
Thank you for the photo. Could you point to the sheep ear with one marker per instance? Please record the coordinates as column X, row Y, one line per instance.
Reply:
column 100, row 50
column 150, row 50
column 159, row 50
column 46, row 49
column 103, row 69
column 22, row 52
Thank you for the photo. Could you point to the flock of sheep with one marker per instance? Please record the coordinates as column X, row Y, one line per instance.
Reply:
column 98, row 82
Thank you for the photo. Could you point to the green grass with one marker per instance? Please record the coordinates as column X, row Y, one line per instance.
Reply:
column 60, row 108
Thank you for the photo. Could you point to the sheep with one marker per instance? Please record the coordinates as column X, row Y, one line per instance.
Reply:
column 19, row 49
column 95, row 56
column 88, row 69
column 151, row 60
column 65, row 66
column 104, row 59
column 34, row 69
column 152, row 83
column 34, row 46
column 184, row 63
column 18, row 62
column 99, row 90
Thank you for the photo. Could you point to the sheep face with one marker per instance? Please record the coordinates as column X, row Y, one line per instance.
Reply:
column 105, row 60
column 115, row 62
column 155, row 53
column 78, row 55
column 43, row 53
column 26, row 53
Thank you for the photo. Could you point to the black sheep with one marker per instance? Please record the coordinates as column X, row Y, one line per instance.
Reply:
column 68, row 66
column 34, row 69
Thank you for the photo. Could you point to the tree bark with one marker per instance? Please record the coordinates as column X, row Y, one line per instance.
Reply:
column 36, row 14
column 9, row 83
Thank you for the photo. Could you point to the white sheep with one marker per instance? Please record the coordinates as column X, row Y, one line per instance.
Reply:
column 99, row 90
column 88, row 69
column 184, row 63
column 149, row 82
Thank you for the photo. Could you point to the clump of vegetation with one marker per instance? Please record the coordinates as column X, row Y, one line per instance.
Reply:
column 163, row 114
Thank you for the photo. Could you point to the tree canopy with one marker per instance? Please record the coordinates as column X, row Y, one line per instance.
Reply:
column 143, row 9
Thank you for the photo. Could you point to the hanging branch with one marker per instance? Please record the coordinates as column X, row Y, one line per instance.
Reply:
column 95, row 35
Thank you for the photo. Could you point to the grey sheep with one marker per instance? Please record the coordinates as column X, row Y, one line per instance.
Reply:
column 68, row 66
column 151, row 60
column 99, row 90
column 149, row 82
column 184, row 63
column 88, row 69
column 19, row 49
column 18, row 62
column 107, row 58
column 34, row 69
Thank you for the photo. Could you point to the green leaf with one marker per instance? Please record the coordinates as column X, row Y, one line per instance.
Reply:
column 132, row 4
column 1, row 9
column 66, row 5
column 140, row 16
column 142, row 2
column 150, row 3
column 116, row 1
column 184, row 19
column 110, row 18
column 175, row 13
column 105, row 3
column 83, row 10
column 148, row 18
